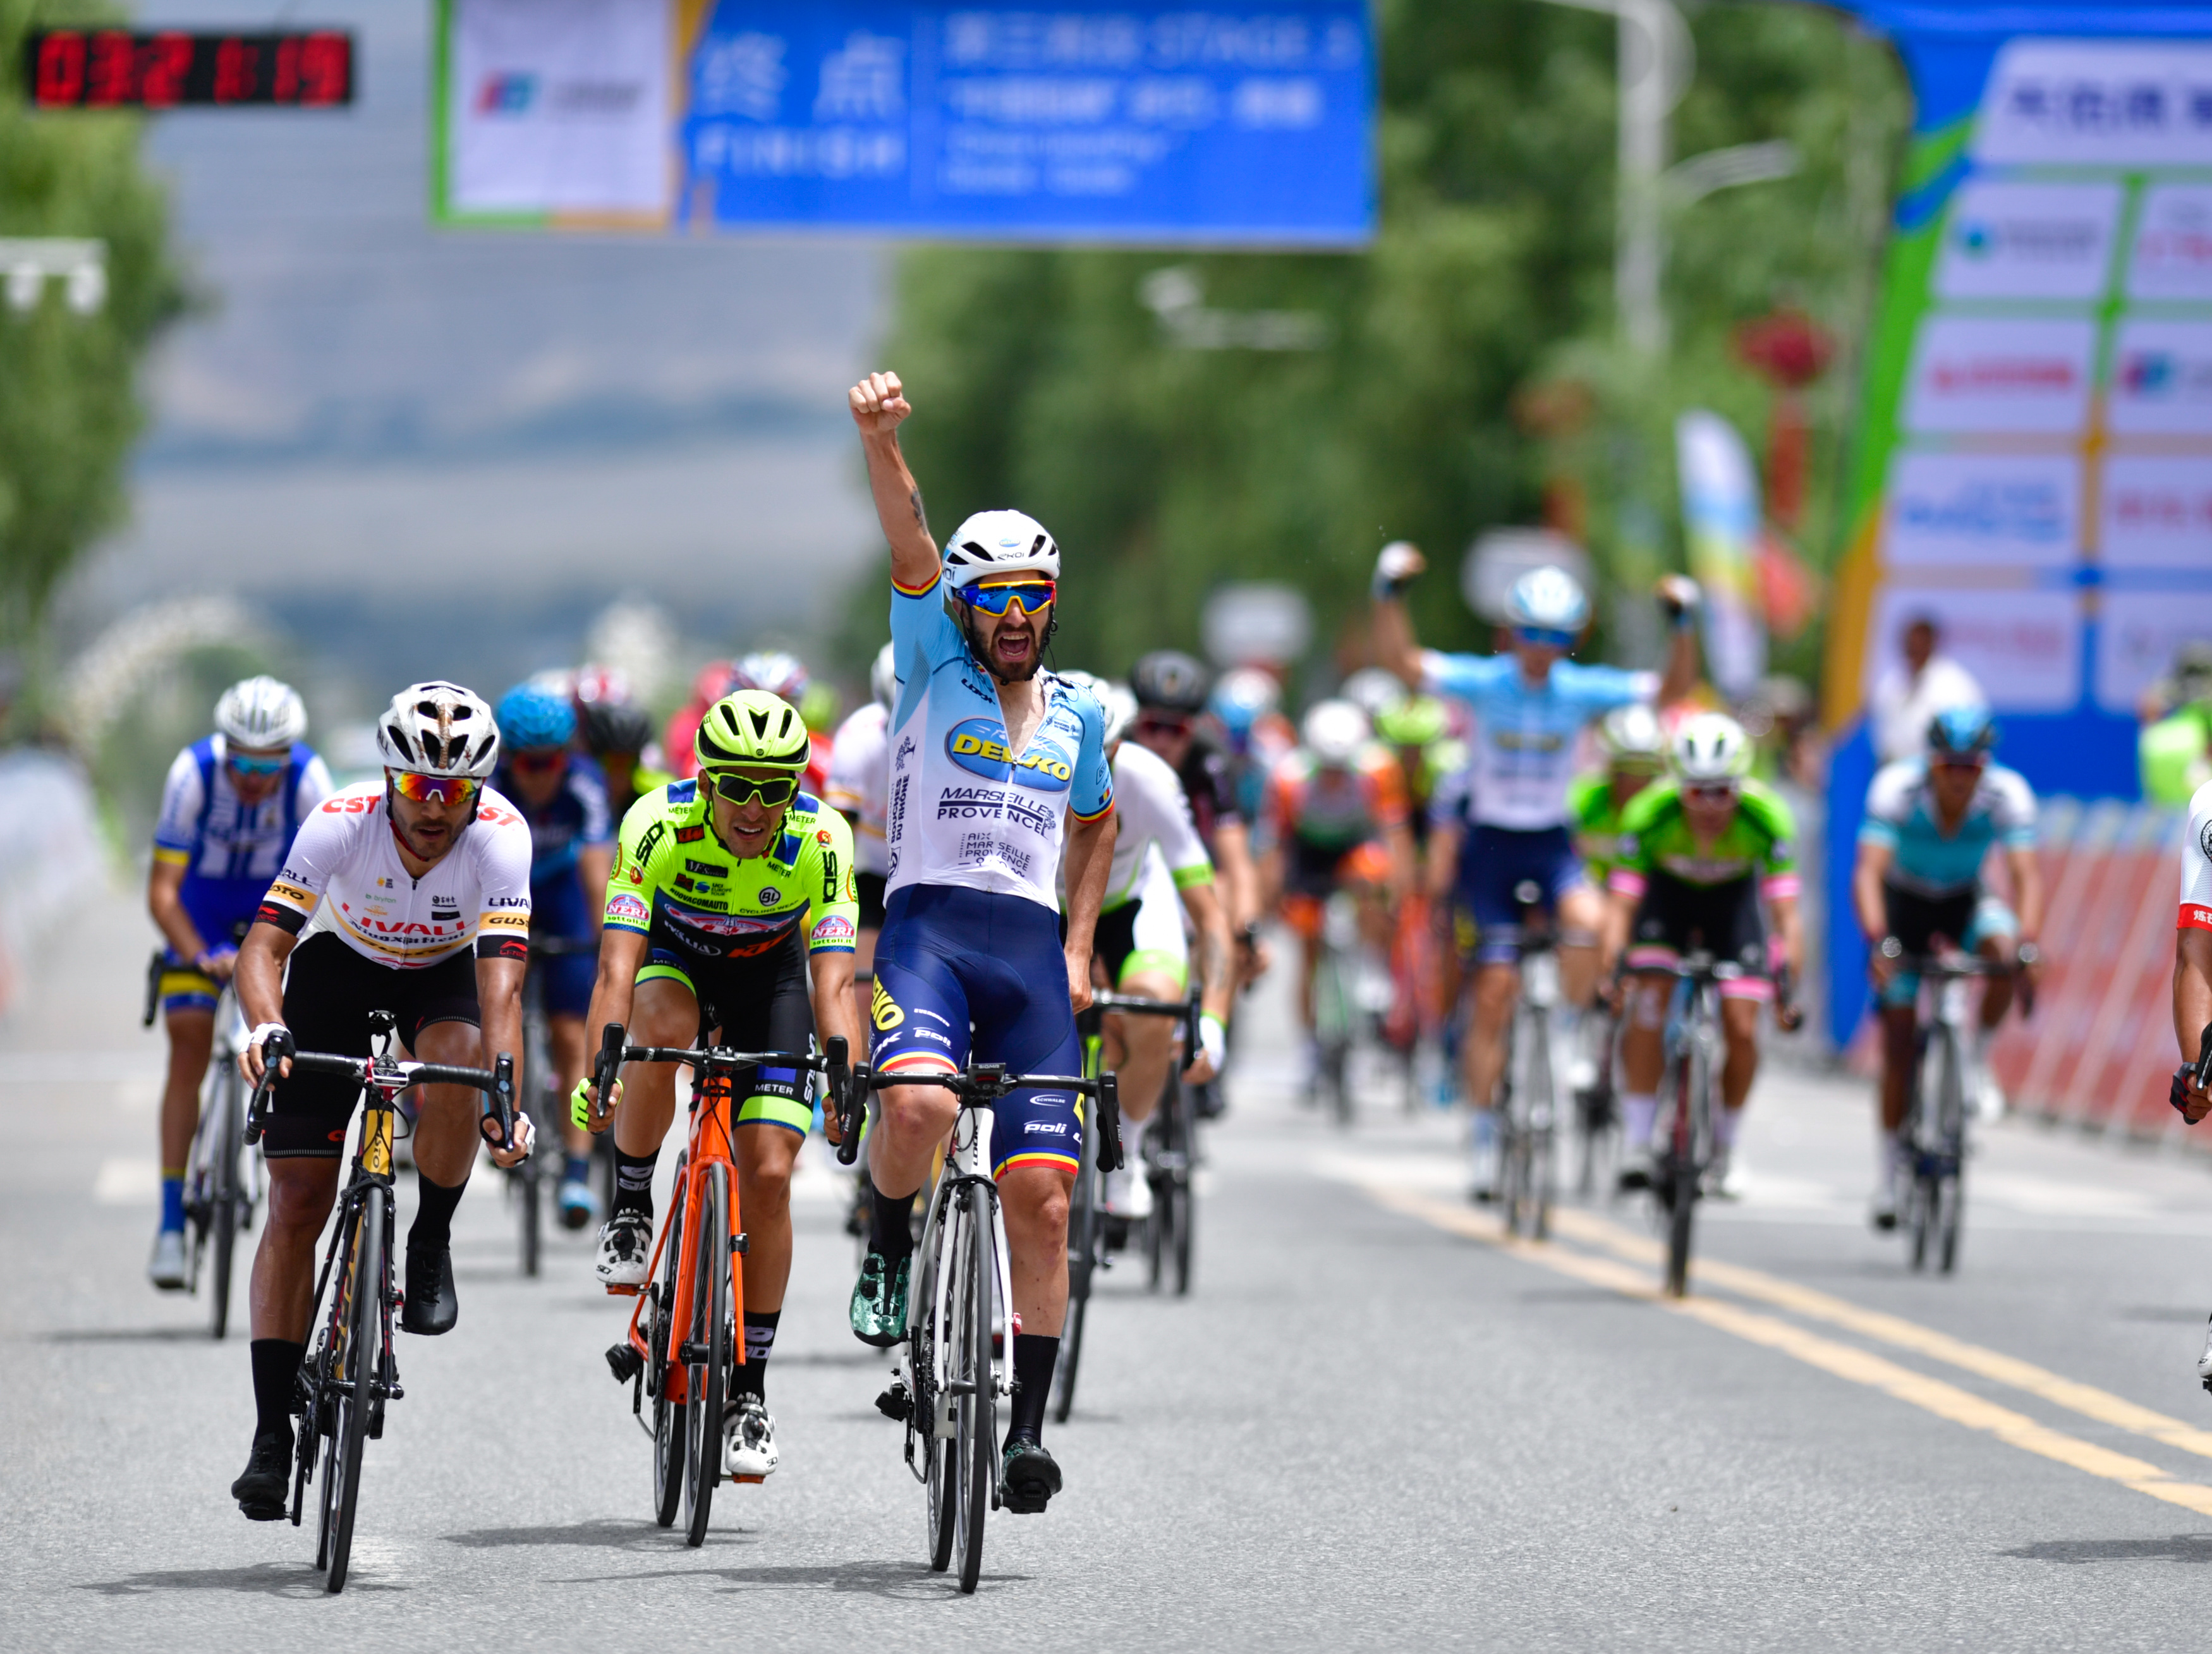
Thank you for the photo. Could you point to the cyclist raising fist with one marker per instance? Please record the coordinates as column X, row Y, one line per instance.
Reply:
column 996, row 764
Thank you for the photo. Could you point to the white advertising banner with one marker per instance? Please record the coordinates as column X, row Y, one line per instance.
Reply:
column 2024, row 649
column 2138, row 633
column 1997, row 375
column 2162, row 379
column 2098, row 103
column 2172, row 254
column 2028, row 241
column 2002, row 510
column 1720, row 521
column 2154, row 511
column 559, row 107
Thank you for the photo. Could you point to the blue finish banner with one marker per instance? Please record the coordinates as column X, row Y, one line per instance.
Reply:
column 1123, row 122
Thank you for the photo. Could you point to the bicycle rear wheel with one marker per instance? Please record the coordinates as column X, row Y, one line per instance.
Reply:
column 707, row 1353
column 224, row 1202
column 356, row 1367
column 669, row 1419
column 975, row 1407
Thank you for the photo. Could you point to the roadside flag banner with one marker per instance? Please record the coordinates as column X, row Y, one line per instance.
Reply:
column 1140, row 123
column 1721, row 525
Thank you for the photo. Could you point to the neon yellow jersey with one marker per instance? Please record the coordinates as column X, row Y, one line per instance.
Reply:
column 674, row 882
column 1595, row 820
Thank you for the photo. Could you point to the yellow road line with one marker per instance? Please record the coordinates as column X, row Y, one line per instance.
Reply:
column 2086, row 1399
column 1859, row 1366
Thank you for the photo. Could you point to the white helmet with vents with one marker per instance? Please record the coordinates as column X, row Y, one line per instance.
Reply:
column 883, row 677
column 260, row 714
column 1709, row 749
column 1117, row 700
column 1547, row 597
column 1335, row 731
column 439, row 729
column 999, row 543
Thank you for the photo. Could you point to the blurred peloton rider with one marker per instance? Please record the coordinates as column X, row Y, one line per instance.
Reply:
column 994, row 764
column 859, row 790
column 229, row 809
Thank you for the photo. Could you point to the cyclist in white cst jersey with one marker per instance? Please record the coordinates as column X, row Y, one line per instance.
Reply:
column 998, row 778
column 859, row 789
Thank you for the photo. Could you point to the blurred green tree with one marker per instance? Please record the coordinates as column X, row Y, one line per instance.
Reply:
column 1042, row 379
column 69, row 407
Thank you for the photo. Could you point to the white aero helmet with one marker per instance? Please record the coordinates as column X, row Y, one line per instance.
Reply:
column 1373, row 691
column 1335, row 731
column 1632, row 739
column 999, row 543
column 439, row 729
column 883, row 677
column 1709, row 748
column 260, row 714
column 1547, row 597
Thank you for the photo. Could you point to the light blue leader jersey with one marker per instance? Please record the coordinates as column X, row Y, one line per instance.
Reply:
column 1901, row 817
column 962, row 811
column 1522, row 758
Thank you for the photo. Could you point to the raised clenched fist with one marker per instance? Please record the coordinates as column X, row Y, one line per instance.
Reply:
column 878, row 404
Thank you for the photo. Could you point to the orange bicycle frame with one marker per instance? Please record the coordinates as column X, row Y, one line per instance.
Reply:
column 712, row 1108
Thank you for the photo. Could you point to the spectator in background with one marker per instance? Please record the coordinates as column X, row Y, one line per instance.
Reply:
column 2175, row 746
column 1912, row 691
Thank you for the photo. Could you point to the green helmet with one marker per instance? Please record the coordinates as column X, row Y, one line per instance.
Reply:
column 752, row 726
column 1416, row 721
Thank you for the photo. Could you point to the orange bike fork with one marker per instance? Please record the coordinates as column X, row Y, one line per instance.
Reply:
column 711, row 1111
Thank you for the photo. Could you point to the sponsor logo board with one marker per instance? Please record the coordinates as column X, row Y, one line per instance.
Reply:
column 2024, row 648
column 2007, row 509
column 2162, row 379
column 2113, row 103
column 2155, row 511
column 1999, row 375
column 2172, row 254
column 2137, row 633
column 2005, row 240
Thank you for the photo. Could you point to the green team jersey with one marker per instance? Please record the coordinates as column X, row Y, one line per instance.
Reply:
column 1655, row 838
column 674, row 882
column 1595, row 822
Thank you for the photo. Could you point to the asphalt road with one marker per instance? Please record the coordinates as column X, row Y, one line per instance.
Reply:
column 1370, row 1427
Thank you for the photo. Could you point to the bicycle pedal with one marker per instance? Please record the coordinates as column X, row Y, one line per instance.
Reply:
column 614, row 1291
column 755, row 1480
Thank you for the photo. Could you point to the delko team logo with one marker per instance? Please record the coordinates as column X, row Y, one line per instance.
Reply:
column 979, row 746
column 2028, row 241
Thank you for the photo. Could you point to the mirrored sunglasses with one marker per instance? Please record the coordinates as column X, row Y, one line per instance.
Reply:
column 1034, row 594
column 1163, row 723
column 738, row 789
column 1549, row 638
column 1712, row 792
column 451, row 791
column 241, row 765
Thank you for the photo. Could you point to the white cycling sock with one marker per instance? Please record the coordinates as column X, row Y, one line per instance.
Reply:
column 1636, row 1115
column 1725, row 1122
column 1888, row 1156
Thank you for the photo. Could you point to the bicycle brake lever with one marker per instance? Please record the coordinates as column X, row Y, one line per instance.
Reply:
column 497, row 1121
column 1110, row 1157
column 852, row 1115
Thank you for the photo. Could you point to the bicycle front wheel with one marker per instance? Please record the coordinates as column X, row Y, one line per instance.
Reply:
column 670, row 1422
column 1181, row 1202
column 225, row 1204
column 359, row 1316
column 1543, row 1113
column 1083, row 1230
column 707, row 1351
column 935, row 1354
column 975, row 1410
column 1684, row 1168
column 1950, row 1187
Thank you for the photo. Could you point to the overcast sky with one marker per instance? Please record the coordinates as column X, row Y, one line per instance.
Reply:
column 373, row 411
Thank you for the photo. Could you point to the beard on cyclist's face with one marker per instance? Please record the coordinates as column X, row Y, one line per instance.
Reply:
column 429, row 829
column 1012, row 644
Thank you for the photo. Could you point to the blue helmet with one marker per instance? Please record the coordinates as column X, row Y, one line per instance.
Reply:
column 1240, row 699
column 530, row 717
column 1966, row 732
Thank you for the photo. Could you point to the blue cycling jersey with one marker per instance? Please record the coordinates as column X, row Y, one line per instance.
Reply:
column 965, row 812
column 576, row 815
column 230, row 850
column 1900, row 816
column 1522, row 758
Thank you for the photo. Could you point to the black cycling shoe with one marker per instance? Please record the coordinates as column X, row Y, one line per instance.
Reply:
column 432, row 1305
column 1028, row 1477
column 264, row 1491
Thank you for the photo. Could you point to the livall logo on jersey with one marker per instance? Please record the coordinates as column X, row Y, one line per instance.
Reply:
column 979, row 746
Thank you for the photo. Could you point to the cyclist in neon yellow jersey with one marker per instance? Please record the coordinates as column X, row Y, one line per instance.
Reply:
column 731, row 895
column 1635, row 753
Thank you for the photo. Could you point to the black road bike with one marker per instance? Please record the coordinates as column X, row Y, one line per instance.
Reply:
column 351, row 1373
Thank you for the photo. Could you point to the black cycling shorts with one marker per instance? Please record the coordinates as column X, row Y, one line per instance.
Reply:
column 760, row 1004
column 1676, row 916
column 329, row 991
column 1917, row 921
column 870, row 887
